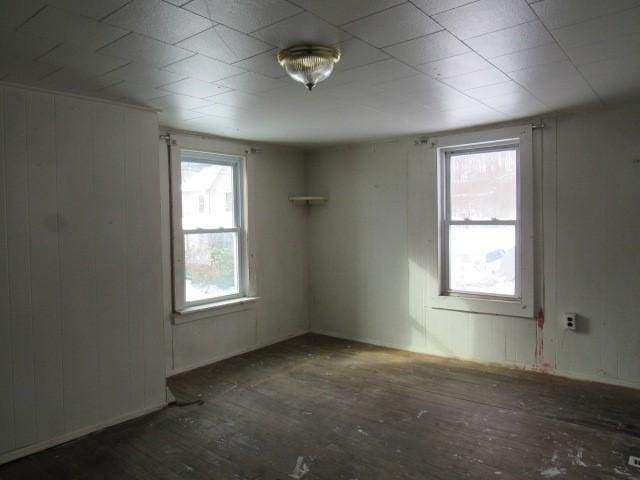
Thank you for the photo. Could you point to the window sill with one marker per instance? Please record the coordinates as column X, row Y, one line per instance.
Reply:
column 208, row 310
column 490, row 306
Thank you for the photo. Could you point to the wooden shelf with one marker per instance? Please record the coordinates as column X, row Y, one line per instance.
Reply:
column 309, row 200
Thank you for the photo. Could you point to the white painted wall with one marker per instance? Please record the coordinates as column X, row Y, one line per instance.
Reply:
column 81, row 336
column 278, row 261
column 372, row 245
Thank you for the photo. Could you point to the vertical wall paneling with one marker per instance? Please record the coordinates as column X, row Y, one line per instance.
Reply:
column 7, row 439
column 149, row 203
column 81, row 326
column 110, row 257
column 135, row 266
column 77, row 235
column 21, row 319
column 277, row 249
column 587, row 205
column 45, row 265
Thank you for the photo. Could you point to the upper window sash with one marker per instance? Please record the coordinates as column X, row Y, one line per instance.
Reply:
column 233, row 164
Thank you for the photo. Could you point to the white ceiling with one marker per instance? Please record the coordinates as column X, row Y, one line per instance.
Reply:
column 408, row 66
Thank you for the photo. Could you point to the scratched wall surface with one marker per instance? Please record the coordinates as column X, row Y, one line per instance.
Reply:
column 370, row 262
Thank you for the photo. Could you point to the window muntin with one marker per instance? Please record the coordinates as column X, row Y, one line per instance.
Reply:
column 480, row 247
column 208, row 229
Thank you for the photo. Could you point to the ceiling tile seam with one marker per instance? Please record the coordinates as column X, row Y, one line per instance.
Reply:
column 443, row 11
column 372, row 14
column 47, row 75
column 390, row 57
column 104, row 20
column 567, row 55
column 506, row 28
column 31, row 17
column 47, row 52
column 283, row 19
column 77, row 47
column 182, row 7
column 411, row 39
column 162, row 89
column 213, row 27
column 104, row 17
column 494, row 66
column 226, row 44
column 165, row 69
column 554, row 42
column 590, row 19
column 111, row 86
column 146, row 65
column 253, row 56
column 154, row 40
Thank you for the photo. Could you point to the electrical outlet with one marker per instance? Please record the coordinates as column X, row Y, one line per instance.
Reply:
column 570, row 320
column 634, row 461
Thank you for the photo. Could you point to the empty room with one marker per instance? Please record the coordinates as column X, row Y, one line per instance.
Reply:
column 319, row 239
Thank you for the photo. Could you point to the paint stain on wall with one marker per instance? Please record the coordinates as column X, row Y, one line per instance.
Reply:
column 539, row 337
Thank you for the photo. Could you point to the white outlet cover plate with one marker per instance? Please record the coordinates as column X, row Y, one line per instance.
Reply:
column 634, row 461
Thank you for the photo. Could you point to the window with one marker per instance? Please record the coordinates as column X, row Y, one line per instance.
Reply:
column 207, row 228
column 485, row 247
column 480, row 221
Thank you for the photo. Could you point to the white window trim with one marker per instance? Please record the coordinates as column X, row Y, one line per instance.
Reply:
column 522, row 305
column 180, row 305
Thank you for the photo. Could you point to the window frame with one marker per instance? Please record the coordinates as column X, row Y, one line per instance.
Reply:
column 237, row 162
column 447, row 221
column 522, row 303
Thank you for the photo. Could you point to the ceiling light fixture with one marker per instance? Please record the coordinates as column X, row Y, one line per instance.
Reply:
column 309, row 64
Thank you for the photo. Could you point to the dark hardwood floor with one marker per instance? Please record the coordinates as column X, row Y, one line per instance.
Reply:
column 320, row 408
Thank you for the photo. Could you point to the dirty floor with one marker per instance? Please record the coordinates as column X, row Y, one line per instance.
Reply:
column 316, row 407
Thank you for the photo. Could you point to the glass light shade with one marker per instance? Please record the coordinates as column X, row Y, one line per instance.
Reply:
column 309, row 64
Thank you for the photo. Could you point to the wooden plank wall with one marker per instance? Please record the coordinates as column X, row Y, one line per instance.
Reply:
column 277, row 231
column 81, row 328
column 372, row 251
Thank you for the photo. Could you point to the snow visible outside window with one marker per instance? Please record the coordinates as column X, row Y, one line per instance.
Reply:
column 208, row 250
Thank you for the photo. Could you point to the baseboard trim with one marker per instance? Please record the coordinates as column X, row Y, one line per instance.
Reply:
column 235, row 353
column 512, row 365
column 66, row 437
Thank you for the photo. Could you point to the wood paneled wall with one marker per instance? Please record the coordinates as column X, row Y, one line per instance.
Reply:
column 81, row 328
column 369, row 250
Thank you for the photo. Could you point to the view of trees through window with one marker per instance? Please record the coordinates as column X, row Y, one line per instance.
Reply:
column 210, row 248
column 482, row 216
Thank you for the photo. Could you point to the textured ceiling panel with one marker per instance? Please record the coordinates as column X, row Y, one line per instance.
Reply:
column 159, row 20
column 394, row 25
column 407, row 66
column 339, row 12
column 245, row 15
column 226, row 44
column 139, row 48
column 96, row 9
column 62, row 26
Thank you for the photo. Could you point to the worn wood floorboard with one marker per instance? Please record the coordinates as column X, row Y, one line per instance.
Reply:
column 319, row 408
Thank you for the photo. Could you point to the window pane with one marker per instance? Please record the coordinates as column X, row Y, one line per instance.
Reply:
column 482, row 259
column 207, row 195
column 483, row 185
column 211, row 265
